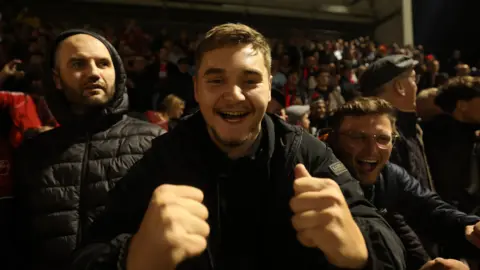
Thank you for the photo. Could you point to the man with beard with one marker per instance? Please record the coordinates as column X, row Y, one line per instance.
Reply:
column 63, row 176
column 362, row 136
column 266, row 194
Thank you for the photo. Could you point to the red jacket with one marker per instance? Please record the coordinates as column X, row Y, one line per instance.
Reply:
column 5, row 168
column 154, row 119
column 23, row 112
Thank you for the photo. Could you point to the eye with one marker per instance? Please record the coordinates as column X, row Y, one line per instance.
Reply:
column 104, row 64
column 77, row 64
column 215, row 81
column 384, row 139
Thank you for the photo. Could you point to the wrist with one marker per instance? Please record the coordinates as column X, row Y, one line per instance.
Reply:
column 350, row 259
column 142, row 256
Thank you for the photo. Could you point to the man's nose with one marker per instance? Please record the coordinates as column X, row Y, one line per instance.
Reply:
column 93, row 70
column 371, row 145
column 234, row 93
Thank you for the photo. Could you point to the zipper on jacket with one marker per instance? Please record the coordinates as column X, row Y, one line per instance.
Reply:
column 83, row 185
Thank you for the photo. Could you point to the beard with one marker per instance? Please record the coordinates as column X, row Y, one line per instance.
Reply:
column 77, row 96
column 231, row 144
column 228, row 143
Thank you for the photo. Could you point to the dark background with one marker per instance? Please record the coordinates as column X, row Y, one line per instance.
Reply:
column 445, row 25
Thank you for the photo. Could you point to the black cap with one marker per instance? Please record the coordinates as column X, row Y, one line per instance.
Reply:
column 383, row 71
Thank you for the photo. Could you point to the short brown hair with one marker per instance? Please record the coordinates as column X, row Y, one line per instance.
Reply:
column 232, row 34
column 456, row 89
column 360, row 107
column 170, row 103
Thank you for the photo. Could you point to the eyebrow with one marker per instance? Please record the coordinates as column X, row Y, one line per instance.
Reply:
column 83, row 57
column 217, row 71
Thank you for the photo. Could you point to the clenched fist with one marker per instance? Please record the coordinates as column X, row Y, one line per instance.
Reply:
column 444, row 264
column 472, row 232
column 173, row 229
column 323, row 220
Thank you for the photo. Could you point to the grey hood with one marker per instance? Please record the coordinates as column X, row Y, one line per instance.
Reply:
column 58, row 103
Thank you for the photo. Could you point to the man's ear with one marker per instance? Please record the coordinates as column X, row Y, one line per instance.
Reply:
column 56, row 79
column 398, row 86
column 270, row 85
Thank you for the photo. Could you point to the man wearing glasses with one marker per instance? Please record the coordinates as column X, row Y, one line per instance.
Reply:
column 362, row 136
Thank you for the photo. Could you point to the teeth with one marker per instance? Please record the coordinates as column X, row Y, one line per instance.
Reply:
column 368, row 160
column 234, row 113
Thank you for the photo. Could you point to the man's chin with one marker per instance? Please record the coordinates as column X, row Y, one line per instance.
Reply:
column 97, row 100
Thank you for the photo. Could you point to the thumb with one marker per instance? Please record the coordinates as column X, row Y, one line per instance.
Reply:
column 301, row 171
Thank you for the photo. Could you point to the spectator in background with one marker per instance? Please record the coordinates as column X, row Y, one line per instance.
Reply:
column 426, row 107
column 393, row 78
column 292, row 89
column 323, row 90
column 348, row 81
column 462, row 70
column 158, row 74
column 318, row 116
column 451, row 143
column 139, row 95
column 181, row 85
column 278, row 78
column 297, row 115
column 62, row 177
column 170, row 109
column 453, row 62
column 431, row 77
column 24, row 108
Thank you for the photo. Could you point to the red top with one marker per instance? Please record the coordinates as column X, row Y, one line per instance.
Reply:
column 154, row 118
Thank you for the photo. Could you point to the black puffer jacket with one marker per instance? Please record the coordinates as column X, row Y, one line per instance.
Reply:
column 63, row 176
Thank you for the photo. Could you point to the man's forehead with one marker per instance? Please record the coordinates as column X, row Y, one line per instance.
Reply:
column 367, row 122
column 83, row 45
column 241, row 58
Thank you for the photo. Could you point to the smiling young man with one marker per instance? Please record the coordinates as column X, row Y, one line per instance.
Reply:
column 362, row 138
column 226, row 190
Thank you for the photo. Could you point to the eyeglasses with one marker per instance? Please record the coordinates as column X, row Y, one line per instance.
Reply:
column 382, row 140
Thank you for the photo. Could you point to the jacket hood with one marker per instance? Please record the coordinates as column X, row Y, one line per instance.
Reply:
column 58, row 103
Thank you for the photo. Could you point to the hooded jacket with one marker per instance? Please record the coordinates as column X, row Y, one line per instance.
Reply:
column 63, row 176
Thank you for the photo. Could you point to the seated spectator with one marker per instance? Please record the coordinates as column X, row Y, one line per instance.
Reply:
column 451, row 143
column 324, row 90
column 298, row 116
column 362, row 137
column 426, row 107
column 292, row 90
column 318, row 116
column 171, row 108
column 24, row 110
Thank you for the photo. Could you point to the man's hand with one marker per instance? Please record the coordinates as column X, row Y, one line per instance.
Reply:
column 444, row 264
column 173, row 229
column 323, row 220
column 472, row 232
column 10, row 68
